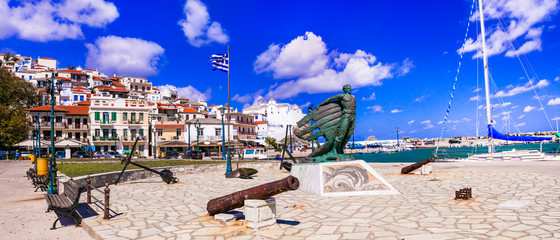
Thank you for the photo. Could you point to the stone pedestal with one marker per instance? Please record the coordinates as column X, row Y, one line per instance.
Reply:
column 260, row 213
column 349, row 178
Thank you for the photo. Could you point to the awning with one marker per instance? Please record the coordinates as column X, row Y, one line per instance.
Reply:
column 29, row 144
column 70, row 143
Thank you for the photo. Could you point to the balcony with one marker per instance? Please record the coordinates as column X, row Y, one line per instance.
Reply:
column 105, row 122
column 135, row 122
column 48, row 138
column 95, row 138
column 78, row 127
column 56, row 124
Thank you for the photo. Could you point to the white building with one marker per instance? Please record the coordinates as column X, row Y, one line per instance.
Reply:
column 48, row 62
column 277, row 116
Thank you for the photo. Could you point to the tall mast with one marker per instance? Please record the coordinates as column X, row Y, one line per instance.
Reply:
column 486, row 82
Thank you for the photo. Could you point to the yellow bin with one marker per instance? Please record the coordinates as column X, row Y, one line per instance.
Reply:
column 42, row 166
column 32, row 157
column 162, row 154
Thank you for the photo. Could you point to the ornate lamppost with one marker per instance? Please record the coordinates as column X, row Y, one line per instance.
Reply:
column 50, row 88
column 228, row 164
column 189, row 136
column 197, row 126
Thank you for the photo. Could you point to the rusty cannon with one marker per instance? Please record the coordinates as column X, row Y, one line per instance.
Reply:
column 261, row 192
column 415, row 166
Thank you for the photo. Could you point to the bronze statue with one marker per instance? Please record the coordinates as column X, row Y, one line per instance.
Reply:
column 335, row 120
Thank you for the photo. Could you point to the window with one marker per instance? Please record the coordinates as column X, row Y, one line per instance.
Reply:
column 126, row 147
column 141, row 132
column 160, row 132
column 105, row 117
column 58, row 118
column 69, row 121
column 124, row 117
column 218, row 132
column 69, row 135
column 132, row 117
column 75, row 97
column 59, row 133
column 105, row 132
column 114, row 132
column 97, row 131
column 82, row 98
column 200, row 131
column 178, row 132
column 141, row 117
column 85, row 121
column 125, row 133
column 84, row 134
column 141, row 148
column 114, row 116
column 133, row 133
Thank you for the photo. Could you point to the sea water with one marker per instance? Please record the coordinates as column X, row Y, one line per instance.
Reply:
column 453, row 153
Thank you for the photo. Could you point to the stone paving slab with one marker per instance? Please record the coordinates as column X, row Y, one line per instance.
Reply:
column 151, row 209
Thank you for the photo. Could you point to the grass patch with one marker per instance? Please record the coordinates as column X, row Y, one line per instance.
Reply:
column 83, row 169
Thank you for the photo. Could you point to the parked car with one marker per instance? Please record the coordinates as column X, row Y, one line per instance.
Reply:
column 451, row 141
column 431, row 142
column 60, row 154
column 195, row 155
column 80, row 154
column 113, row 154
column 98, row 155
column 171, row 154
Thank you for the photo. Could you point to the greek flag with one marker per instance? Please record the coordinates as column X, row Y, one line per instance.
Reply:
column 220, row 62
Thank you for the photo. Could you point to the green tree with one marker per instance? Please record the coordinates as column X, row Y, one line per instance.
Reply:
column 16, row 96
column 271, row 142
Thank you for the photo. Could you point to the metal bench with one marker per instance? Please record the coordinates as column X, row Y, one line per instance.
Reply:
column 65, row 204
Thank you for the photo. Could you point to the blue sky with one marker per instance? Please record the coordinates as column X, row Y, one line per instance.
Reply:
column 400, row 56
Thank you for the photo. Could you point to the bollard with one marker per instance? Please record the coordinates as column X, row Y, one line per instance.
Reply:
column 88, row 187
column 106, row 209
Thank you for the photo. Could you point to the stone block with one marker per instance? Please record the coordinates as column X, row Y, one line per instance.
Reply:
column 427, row 169
column 254, row 203
column 224, row 217
column 348, row 178
column 257, row 225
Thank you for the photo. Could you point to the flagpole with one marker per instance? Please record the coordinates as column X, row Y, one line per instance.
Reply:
column 229, row 115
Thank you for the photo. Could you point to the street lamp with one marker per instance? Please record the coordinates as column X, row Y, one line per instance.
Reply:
column 197, row 126
column 228, row 164
column 398, row 137
column 189, row 137
column 50, row 88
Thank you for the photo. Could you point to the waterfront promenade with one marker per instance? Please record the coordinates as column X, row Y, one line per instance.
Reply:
column 511, row 200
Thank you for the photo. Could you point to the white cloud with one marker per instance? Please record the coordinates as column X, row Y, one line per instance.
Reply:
column 396, row 110
column 411, row 122
column 427, row 124
column 47, row 20
column 375, row 108
column 255, row 97
column 520, row 125
column 555, row 101
column 529, row 109
column 189, row 92
column 310, row 68
column 475, row 98
column 197, row 26
column 370, row 98
column 557, row 78
column 124, row 56
column 413, row 131
column 522, row 116
column 405, row 67
column 420, row 99
column 555, row 119
column 521, row 18
column 521, row 89
column 505, row 113
column 477, row 90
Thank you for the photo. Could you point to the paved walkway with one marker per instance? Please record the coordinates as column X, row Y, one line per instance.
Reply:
column 22, row 211
column 510, row 201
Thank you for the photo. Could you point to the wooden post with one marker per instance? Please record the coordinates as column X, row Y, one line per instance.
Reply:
column 88, row 187
column 106, row 208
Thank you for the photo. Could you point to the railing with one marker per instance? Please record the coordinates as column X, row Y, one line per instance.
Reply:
column 78, row 126
column 56, row 124
column 105, row 121
column 105, row 193
column 95, row 138
column 135, row 122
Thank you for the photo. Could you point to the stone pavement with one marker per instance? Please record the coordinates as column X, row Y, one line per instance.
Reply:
column 151, row 209
column 22, row 211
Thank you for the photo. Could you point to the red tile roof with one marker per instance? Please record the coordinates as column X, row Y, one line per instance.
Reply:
column 76, row 110
column 260, row 122
column 118, row 84
column 72, row 71
column 112, row 89
column 190, row 110
column 63, row 78
column 161, row 126
column 46, row 58
column 156, row 89
column 213, row 105
column 47, row 108
column 84, row 103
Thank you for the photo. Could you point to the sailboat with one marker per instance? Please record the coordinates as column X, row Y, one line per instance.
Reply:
column 492, row 155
